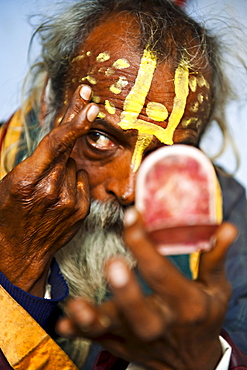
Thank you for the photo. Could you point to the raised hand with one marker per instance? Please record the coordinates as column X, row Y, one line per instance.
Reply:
column 44, row 199
column 178, row 326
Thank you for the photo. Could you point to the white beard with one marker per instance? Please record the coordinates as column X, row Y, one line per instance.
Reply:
column 82, row 261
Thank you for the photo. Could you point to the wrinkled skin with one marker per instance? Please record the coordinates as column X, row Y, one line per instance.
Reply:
column 44, row 199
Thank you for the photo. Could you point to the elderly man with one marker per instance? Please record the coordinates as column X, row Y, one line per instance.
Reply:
column 117, row 80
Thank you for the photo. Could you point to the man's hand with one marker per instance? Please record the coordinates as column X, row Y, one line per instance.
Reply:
column 177, row 327
column 44, row 199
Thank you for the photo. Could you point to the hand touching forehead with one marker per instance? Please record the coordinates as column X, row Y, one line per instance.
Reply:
column 137, row 92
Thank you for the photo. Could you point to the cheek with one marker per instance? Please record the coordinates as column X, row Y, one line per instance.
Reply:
column 106, row 176
column 97, row 171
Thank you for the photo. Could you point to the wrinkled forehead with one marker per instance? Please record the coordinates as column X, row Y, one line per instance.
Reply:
column 135, row 90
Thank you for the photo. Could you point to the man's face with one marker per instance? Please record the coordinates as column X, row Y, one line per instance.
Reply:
column 143, row 105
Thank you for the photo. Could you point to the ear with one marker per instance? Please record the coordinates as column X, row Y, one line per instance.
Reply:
column 44, row 100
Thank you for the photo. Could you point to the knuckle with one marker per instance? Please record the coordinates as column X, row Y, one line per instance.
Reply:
column 54, row 144
column 150, row 331
column 22, row 187
column 68, row 202
column 195, row 310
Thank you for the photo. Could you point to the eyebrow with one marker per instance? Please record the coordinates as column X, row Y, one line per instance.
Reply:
column 114, row 130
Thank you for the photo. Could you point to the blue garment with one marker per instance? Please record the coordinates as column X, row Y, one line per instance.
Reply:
column 40, row 309
column 235, row 211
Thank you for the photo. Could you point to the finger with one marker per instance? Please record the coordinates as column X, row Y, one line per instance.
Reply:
column 68, row 187
column 74, row 191
column 83, row 192
column 66, row 327
column 160, row 274
column 143, row 316
column 212, row 263
column 81, row 97
column 60, row 141
column 57, row 145
column 85, row 319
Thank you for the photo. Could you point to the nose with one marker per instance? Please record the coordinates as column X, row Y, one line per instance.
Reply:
column 123, row 189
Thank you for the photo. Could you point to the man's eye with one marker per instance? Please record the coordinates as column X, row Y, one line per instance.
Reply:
column 100, row 141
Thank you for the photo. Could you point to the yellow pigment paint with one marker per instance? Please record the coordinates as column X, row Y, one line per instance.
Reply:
column 102, row 57
column 121, row 64
column 181, row 82
column 79, row 57
column 148, row 128
column 101, row 115
column 194, row 107
column 110, row 107
column 143, row 141
column 116, row 88
column 90, row 79
column 199, row 123
column 96, row 99
column 188, row 121
column 109, row 71
column 157, row 111
column 202, row 81
column 88, row 53
column 200, row 98
column 135, row 101
column 193, row 83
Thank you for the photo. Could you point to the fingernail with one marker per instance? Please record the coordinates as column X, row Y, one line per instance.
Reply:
column 82, row 312
column 63, row 328
column 85, row 92
column 92, row 113
column 212, row 241
column 117, row 274
column 130, row 217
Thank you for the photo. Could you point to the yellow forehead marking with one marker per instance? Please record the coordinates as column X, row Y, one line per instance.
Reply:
column 135, row 101
column 101, row 115
column 143, row 141
column 102, row 57
column 121, row 64
column 194, row 106
column 109, row 71
column 90, row 79
column 200, row 98
column 193, row 83
column 116, row 88
column 157, row 111
column 88, row 53
column 109, row 106
column 181, row 82
column 96, row 99
column 199, row 123
column 188, row 121
column 202, row 81
column 79, row 57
